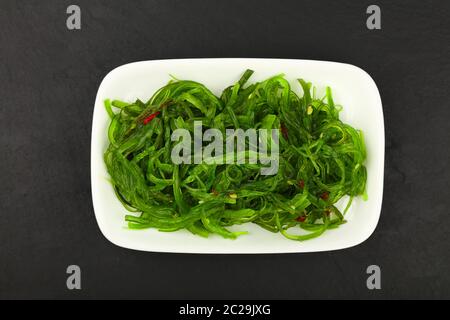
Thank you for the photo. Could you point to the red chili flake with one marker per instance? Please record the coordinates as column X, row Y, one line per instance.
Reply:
column 151, row 117
column 301, row 219
column 301, row 184
column 325, row 196
column 284, row 131
column 214, row 192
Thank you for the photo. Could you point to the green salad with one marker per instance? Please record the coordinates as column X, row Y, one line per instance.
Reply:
column 320, row 159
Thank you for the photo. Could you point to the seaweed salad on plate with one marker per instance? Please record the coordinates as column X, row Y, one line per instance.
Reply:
column 320, row 159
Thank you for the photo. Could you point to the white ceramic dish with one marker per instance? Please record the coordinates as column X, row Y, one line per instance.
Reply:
column 352, row 87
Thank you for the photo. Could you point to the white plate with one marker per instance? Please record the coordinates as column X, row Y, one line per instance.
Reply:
column 352, row 87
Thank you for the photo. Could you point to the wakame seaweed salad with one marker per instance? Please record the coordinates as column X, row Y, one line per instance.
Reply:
column 320, row 160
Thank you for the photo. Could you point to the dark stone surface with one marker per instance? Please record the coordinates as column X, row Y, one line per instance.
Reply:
column 48, row 81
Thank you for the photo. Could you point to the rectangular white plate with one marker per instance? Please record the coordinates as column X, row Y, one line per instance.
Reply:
column 352, row 88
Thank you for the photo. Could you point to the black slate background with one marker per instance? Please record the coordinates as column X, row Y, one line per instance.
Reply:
column 48, row 80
